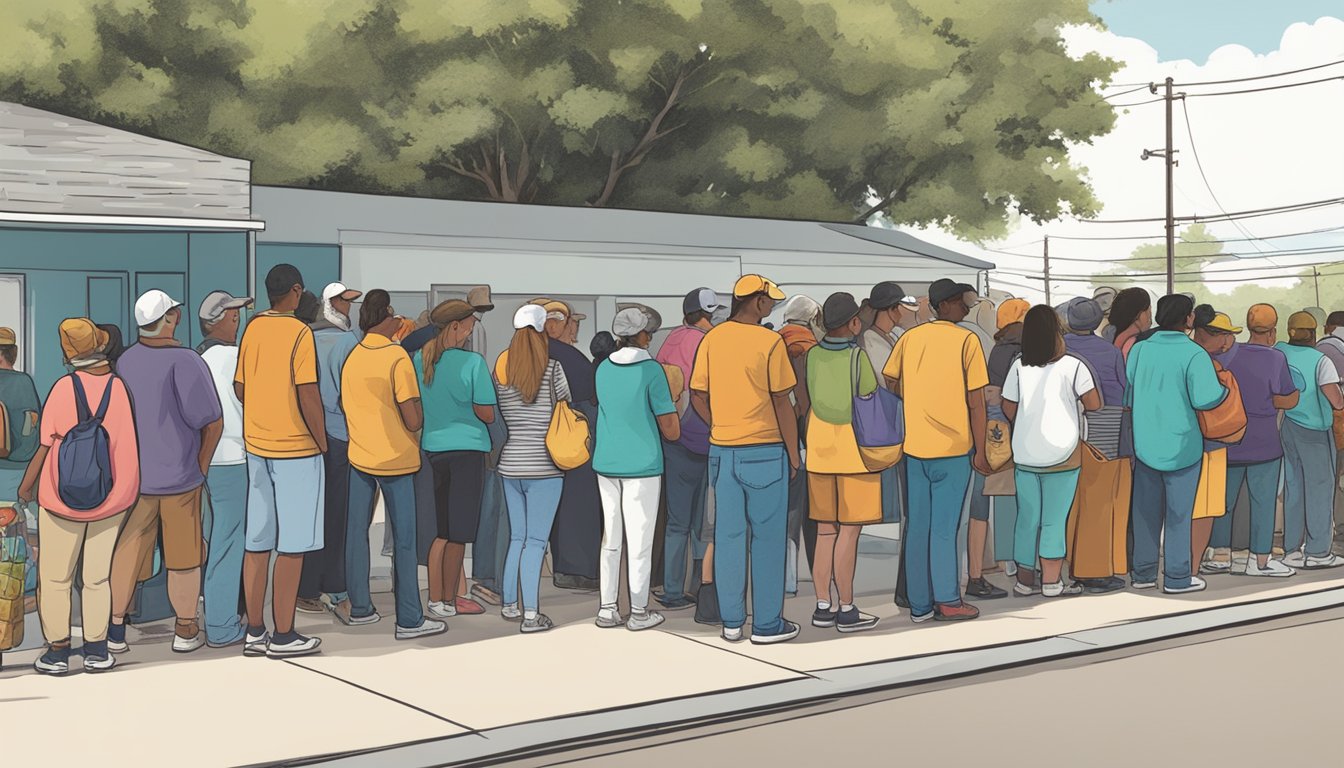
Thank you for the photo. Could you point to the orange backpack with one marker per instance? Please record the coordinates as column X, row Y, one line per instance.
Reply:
column 1225, row 422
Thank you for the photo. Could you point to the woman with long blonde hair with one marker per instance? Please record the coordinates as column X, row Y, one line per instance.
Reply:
column 528, row 384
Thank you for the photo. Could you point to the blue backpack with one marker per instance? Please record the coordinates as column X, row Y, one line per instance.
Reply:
column 85, row 455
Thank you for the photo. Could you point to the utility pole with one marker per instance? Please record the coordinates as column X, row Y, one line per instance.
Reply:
column 1045, row 271
column 1169, row 155
column 1316, row 282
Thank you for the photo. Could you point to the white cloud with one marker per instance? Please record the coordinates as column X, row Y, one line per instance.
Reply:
column 1258, row 150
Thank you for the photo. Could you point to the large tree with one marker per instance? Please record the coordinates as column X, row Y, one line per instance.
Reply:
column 795, row 108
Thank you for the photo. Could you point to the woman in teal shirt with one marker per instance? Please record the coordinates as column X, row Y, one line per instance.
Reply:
column 459, row 401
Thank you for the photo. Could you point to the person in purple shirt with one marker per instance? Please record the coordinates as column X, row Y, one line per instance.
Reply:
column 1266, row 388
column 178, row 420
column 1084, row 316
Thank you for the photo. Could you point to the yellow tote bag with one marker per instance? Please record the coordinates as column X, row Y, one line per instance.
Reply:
column 568, row 434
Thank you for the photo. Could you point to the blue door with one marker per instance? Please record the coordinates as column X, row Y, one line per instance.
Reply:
column 107, row 301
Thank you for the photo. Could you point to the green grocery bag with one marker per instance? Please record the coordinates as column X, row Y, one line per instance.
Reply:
column 13, row 560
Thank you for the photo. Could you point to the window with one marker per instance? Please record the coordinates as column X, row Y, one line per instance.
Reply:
column 13, row 312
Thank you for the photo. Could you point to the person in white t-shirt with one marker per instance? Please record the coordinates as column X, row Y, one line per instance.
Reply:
column 1040, row 397
column 220, row 317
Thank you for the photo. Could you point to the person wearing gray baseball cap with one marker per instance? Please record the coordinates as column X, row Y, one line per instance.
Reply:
column 635, row 414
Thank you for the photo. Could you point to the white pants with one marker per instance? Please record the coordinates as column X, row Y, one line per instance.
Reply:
column 629, row 514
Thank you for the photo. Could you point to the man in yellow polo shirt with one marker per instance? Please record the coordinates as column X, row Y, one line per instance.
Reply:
column 740, row 386
column 381, row 400
column 944, row 437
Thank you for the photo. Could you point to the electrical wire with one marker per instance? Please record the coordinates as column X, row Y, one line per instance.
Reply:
column 1163, row 237
column 1264, row 88
column 1139, row 103
column 1265, row 77
column 1253, row 213
column 1143, row 87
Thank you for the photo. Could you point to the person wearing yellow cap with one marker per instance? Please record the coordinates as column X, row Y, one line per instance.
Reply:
column 1309, row 450
column 740, row 386
column 1214, row 332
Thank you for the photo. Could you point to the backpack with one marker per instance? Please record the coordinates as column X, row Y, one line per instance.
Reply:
column 84, row 460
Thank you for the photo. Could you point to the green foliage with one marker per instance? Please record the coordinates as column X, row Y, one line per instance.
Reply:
column 790, row 108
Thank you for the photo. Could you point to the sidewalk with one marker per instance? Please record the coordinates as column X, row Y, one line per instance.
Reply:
column 484, row 690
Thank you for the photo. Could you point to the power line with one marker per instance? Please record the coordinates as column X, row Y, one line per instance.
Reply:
column 1137, row 103
column 1253, row 213
column 1159, row 237
column 1142, row 87
column 1264, row 88
column 1194, row 150
column 1264, row 77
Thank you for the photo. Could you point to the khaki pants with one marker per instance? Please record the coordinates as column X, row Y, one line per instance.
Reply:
column 63, row 542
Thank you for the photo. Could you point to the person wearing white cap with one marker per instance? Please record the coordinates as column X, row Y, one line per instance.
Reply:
column 322, row 585
column 179, row 420
column 635, row 414
column 220, row 316
column 528, row 384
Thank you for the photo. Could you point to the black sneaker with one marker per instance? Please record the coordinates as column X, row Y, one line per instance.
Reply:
column 675, row 603
column 824, row 617
column 1102, row 586
column 983, row 590
column 707, row 606
column 854, row 620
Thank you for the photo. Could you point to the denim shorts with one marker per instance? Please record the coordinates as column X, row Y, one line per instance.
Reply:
column 285, row 503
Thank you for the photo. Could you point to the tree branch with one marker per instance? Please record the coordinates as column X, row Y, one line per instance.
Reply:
column 651, row 136
column 898, row 195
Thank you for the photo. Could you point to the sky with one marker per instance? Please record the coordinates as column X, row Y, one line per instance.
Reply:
column 1256, row 150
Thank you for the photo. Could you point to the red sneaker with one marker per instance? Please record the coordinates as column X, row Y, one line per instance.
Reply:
column 468, row 607
column 961, row 612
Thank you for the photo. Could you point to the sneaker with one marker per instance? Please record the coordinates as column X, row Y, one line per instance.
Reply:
column 983, row 590
column 540, row 623
column 707, row 605
column 855, row 620
column 442, row 609
column 1102, row 586
column 645, row 620
column 1273, row 568
column 732, row 634
column 310, row 605
column 786, row 632
column 511, row 612
column 116, row 638
column 297, row 646
column 1142, row 584
column 341, row 611
column 1325, row 561
column 486, row 594
column 609, row 619
column 675, row 603
column 960, row 612
column 427, row 628
column 362, row 621
column 1023, row 590
column 1215, row 567
column 920, row 618
column 1295, row 559
column 99, row 663
column 824, row 617
column 56, row 661
column 1060, row 589
column 1010, row 569
column 1196, row 585
column 465, row 606
column 187, row 638
column 255, row 645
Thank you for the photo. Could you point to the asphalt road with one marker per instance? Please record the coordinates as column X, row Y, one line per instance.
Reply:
column 1267, row 694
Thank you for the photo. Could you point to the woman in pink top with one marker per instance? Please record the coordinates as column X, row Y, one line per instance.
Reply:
column 1131, row 315
column 64, row 534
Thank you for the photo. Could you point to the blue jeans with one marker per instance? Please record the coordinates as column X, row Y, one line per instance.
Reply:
column 1308, row 489
column 1163, row 505
column 751, row 497
column 1262, row 485
column 686, row 479
column 936, row 494
column 399, row 503
column 532, row 503
column 227, row 487
column 1043, row 503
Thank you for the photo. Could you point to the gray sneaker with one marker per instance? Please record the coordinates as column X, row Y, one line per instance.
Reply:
column 427, row 627
column 608, row 619
column 541, row 623
column 645, row 620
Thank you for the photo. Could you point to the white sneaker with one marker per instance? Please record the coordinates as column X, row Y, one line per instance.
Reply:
column 427, row 628
column 187, row 644
column 299, row 646
column 1010, row 569
column 99, row 663
column 442, row 609
column 608, row 619
column 1273, row 568
column 1215, row 567
column 1295, row 559
column 646, row 620
column 1196, row 585
column 255, row 645
column 1022, row 590
column 1135, row 583
column 360, row 621
column 511, row 612
column 732, row 635
column 1326, row 561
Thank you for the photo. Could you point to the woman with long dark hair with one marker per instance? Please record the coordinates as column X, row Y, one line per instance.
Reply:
column 528, row 385
column 1131, row 315
column 1041, row 396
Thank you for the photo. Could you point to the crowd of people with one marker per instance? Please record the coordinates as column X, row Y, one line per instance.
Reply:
column 1105, row 438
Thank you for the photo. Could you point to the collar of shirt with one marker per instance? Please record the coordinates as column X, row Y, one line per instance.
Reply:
column 833, row 344
column 376, row 341
column 629, row 356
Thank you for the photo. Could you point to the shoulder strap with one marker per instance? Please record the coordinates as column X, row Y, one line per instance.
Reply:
column 550, row 372
column 855, row 373
column 107, row 397
column 81, row 400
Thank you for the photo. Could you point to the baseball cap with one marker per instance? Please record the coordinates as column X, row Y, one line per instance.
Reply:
column 885, row 295
column 218, row 302
column 943, row 289
column 910, row 301
column 1011, row 311
column 750, row 285
column 1104, row 296
column 1083, row 314
column 451, row 311
column 479, row 298
column 700, row 300
column 630, row 321
column 553, row 306
column 80, row 338
column 530, row 316
column 7, row 337
column 1301, row 321
column 838, row 310
column 152, row 306
column 281, row 278
column 1262, row 317
column 1317, row 313
column 1221, row 322
column 334, row 290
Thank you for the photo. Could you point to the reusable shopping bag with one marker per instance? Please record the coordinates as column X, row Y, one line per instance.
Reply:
column 568, row 434
column 879, row 422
